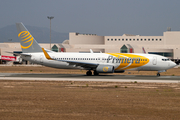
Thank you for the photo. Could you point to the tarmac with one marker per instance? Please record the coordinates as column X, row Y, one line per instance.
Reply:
column 82, row 77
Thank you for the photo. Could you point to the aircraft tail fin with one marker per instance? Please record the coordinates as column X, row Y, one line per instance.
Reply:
column 27, row 41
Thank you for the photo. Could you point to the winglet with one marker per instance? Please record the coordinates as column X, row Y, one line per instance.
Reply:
column 46, row 54
column 91, row 51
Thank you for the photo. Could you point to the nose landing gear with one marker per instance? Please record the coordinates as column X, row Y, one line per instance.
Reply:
column 158, row 74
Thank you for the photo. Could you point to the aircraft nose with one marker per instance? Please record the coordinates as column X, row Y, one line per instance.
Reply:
column 172, row 64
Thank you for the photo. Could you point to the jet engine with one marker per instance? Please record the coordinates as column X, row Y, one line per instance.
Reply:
column 105, row 69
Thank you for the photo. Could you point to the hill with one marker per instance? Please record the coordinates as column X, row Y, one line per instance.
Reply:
column 9, row 34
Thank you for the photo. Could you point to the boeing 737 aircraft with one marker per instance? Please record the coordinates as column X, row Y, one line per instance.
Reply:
column 96, row 62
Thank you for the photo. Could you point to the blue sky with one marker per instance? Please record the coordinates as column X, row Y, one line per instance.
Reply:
column 101, row 17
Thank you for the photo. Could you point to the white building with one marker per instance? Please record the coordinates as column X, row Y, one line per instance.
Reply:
column 167, row 45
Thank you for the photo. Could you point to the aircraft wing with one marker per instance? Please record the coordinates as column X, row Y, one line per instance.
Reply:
column 76, row 63
column 81, row 64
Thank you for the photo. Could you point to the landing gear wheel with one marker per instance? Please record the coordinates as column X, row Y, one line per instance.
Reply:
column 158, row 74
column 96, row 73
column 89, row 73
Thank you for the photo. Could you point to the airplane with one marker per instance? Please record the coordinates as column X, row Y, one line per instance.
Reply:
column 96, row 62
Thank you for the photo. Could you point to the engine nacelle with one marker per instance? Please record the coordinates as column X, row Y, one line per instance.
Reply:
column 105, row 69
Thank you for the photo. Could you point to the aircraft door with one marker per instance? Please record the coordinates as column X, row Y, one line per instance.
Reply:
column 154, row 61
column 168, row 63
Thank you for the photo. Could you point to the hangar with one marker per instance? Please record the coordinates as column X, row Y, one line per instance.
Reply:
column 167, row 45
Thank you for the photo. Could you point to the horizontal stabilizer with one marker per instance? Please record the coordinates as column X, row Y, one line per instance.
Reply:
column 22, row 54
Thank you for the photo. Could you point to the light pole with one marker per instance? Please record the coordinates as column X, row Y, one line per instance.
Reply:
column 50, row 28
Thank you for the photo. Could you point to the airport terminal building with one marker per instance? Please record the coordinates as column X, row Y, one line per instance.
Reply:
column 167, row 45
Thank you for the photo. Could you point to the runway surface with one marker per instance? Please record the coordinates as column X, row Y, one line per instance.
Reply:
column 82, row 77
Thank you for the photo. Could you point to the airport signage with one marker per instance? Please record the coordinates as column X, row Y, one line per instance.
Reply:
column 8, row 58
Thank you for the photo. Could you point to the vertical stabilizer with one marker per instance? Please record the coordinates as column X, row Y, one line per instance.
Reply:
column 27, row 41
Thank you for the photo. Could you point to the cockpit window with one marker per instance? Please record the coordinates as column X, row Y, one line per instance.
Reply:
column 165, row 59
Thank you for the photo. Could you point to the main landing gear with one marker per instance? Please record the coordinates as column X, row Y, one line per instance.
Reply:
column 158, row 74
column 89, row 73
column 96, row 73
